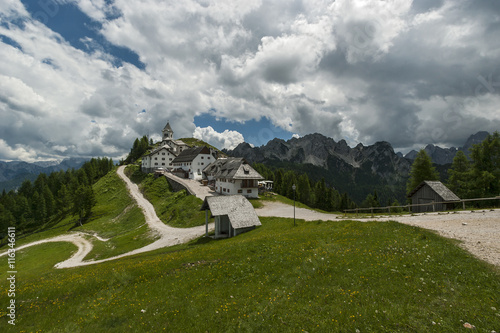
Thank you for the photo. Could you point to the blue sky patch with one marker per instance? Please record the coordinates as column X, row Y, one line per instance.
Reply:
column 9, row 41
column 77, row 28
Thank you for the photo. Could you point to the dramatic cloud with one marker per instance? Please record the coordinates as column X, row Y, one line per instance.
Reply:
column 408, row 72
column 227, row 139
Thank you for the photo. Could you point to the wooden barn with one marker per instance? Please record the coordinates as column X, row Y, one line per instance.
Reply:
column 429, row 192
column 233, row 215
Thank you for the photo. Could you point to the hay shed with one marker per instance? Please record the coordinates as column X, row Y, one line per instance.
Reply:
column 432, row 196
column 233, row 215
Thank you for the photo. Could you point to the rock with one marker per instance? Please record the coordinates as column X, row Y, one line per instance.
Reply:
column 467, row 325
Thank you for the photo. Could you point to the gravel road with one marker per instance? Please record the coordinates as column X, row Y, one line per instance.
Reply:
column 479, row 231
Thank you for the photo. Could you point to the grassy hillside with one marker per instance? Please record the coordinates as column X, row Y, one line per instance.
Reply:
column 316, row 277
column 197, row 143
column 177, row 209
column 115, row 216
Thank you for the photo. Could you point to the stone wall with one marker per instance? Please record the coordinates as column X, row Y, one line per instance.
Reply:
column 177, row 185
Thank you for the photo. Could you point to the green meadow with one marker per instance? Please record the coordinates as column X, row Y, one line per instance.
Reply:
column 177, row 209
column 116, row 217
column 340, row 276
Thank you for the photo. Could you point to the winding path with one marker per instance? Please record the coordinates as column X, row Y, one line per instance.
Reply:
column 479, row 231
column 168, row 235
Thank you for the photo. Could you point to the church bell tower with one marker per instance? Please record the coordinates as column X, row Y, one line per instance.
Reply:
column 168, row 134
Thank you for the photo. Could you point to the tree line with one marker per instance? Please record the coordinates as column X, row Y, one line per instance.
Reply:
column 478, row 177
column 52, row 196
column 313, row 194
column 139, row 148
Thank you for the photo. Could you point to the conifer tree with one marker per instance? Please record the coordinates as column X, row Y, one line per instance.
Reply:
column 486, row 166
column 421, row 169
column 63, row 200
column 460, row 176
column 50, row 204
column 304, row 188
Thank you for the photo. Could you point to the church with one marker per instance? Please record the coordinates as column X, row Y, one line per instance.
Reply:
column 178, row 157
column 163, row 156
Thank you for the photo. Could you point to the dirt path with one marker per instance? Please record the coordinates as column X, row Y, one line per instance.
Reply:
column 479, row 230
column 168, row 235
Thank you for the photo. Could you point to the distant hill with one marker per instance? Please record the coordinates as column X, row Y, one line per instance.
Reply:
column 443, row 156
column 12, row 174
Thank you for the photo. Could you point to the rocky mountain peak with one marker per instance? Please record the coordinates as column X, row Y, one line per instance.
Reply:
column 442, row 156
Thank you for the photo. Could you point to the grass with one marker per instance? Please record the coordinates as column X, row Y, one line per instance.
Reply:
column 177, row 209
column 197, row 142
column 115, row 217
column 285, row 200
column 316, row 277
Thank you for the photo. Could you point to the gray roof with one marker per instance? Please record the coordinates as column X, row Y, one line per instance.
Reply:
column 239, row 210
column 439, row 188
column 167, row 147
column 167, row 127
column 232, row 168
column 190, row 154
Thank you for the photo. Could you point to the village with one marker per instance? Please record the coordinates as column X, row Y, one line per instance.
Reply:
column 234, row 177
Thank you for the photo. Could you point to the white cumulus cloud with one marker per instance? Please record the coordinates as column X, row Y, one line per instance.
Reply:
column 227, row 139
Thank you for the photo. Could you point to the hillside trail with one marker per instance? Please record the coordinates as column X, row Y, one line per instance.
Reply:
column 478, row 231
column 168, row 235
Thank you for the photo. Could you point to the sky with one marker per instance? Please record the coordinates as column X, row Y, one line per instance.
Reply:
column 84, row 78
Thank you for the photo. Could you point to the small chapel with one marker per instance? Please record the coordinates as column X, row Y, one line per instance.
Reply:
column 163, row 156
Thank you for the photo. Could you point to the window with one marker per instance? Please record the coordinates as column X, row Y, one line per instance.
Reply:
column 227, row 190
column 163, row 164
column 156, row 158
column 163, row 158
column 201, row 163
column 240, row 191
column 170, row 159
column 249, row 191
column 202, row 157
column 156, row 163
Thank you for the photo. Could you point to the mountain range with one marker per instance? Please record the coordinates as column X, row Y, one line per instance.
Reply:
column 358, row 171
column 12, row 174
column 445, row 155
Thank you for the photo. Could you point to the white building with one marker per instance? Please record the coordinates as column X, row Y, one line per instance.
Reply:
column 160, row 158
column 163, row 156
column 191, row 162
column 234, row 175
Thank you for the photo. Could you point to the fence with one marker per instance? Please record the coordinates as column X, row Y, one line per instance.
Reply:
column 408, row 207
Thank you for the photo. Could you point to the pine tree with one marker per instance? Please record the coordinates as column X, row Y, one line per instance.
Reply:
column 50, row 204
column 26, row 188
column 83, row 201
column 6, row 220
column 486, row 166
column 460, row 176
column 63, row 200
column 40, row 212
column 421, row 169
column 304, row 188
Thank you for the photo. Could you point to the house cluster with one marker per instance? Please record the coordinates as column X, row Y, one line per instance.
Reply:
column 229, row 175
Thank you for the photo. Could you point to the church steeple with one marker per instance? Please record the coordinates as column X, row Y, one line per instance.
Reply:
column 168, row 134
